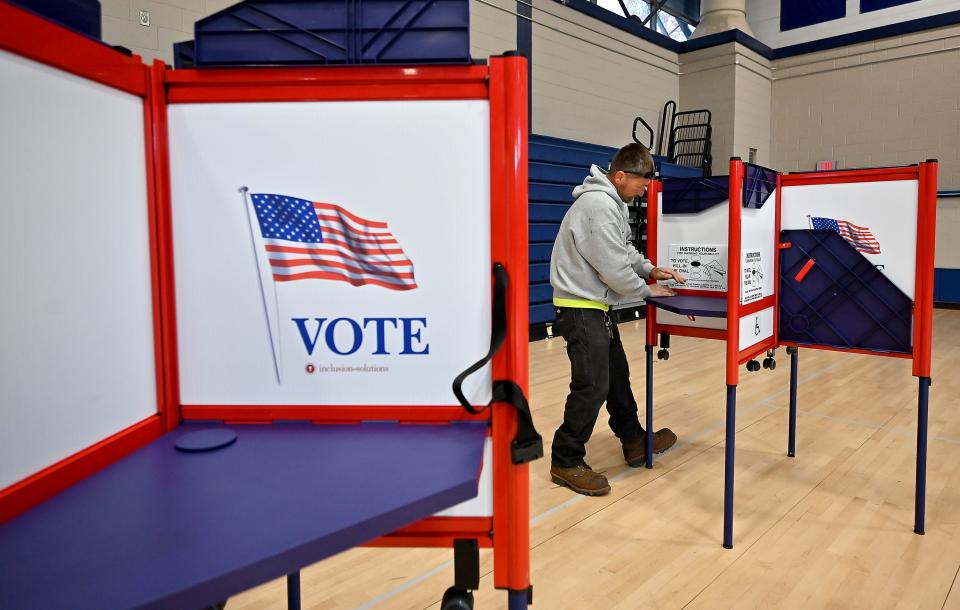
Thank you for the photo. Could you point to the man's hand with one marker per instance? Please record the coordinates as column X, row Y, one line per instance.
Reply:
column 667, row 273
column 656, row 290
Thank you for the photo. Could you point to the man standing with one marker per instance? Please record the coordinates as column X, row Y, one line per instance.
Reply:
column 594, row 266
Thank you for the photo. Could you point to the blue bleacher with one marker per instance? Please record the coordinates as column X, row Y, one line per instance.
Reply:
column 556, row 167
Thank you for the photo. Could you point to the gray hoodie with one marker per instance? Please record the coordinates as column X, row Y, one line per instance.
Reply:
column 593, row 258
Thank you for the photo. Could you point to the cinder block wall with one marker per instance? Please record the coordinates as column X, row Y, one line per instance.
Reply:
column 493, row 29
column 753, row 104
column 591, row 79
column 708, row 81
column 887, row 102
column 734, row 83
column 170, row 21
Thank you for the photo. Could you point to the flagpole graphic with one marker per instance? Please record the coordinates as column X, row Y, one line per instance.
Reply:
column 267, row 286
column 298, row 239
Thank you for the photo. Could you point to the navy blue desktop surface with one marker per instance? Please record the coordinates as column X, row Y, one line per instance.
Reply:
column 163, row 528
column 686, row 305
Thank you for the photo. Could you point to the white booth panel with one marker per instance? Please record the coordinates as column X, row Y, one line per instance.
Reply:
column 420, row 167
column 696, row 245
column 78, row 348
column 756, row 327
column 886, row 210
column 758, row 247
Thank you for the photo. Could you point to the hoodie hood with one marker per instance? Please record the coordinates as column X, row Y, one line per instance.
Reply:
column 598, row 181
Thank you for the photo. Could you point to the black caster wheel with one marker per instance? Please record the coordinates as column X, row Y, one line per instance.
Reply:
column 663, row 355
column 753, row 365
column 457, row 599
column 769, row 363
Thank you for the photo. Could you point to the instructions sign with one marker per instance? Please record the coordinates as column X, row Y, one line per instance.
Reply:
column 751, row 284
column 704, row 266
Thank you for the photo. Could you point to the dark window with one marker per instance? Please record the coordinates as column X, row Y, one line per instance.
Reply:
column 801, row 13
column 875, row 5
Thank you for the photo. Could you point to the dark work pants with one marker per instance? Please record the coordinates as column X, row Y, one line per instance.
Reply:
column 598, row 373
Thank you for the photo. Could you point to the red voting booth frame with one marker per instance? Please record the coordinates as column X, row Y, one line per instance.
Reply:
column 926, row 175
column 503, row 83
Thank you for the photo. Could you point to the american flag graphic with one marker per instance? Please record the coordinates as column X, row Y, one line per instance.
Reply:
column 309, row 240
column 861, row 238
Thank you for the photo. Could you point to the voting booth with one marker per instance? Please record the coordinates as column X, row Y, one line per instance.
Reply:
column 839, row 260
column 236, row 352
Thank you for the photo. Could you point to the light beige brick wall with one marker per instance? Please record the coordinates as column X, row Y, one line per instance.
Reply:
column 493, row 29
column 733, row 83
column 590, row 80
column 708, row 81
column 753, row 95
column 947, row 253
column 888, row 102
column 170, row 21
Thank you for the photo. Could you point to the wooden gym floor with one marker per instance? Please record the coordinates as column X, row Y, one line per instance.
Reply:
column 831, row 528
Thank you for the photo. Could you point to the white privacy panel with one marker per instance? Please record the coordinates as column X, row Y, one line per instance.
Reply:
column 758, row 246
column 696, row 245
column 77, row 360
column 344, row 275
column 882, row 214
column 756, row 327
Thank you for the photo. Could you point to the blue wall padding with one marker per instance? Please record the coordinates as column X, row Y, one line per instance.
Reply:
column 540, row 253
column 946, row 285
column 539, row 272
column 547, row 212
column 544, row 232
column 541, row 313
column 560, row 174
column 551, row 193
column 541, row 293
column 801, row 13
column 556, row 166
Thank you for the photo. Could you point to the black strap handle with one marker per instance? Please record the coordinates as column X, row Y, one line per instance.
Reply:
column 528, row 444
column 498, row 333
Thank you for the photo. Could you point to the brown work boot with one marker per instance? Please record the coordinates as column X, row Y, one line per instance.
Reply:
column 581, row 479
column 634, row 450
